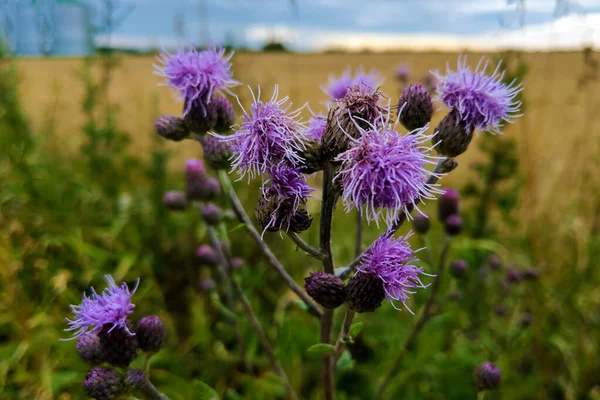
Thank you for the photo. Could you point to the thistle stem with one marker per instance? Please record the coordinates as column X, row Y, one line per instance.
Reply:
column 344, row 333
column 152, row 392
column 273, row 261
column 254, row 323
column 305, row 246
column 423, row 319
column 147, row 364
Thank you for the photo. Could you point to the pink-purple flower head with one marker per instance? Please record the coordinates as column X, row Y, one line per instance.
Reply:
column 383, row 172
column 268, row 135
column 111, row 307
column 337, row 87
column 392, row 261
column 316, row 127
column 483, row 101
column 196, row 75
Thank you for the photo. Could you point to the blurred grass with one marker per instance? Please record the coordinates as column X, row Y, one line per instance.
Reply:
column 71, row 212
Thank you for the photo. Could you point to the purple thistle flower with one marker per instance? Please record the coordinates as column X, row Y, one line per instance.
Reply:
column 109, row 307
column 402, row 72
column 483, row 102
column 316, row 127
column 369, row 81
column 268, row 135
column 338, row 87
column 196, row 75
column 391, row 260
column 384, row 170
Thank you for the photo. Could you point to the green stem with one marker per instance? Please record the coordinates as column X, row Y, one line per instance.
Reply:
column 305, row 246
column 147, row 364
column 344, row 333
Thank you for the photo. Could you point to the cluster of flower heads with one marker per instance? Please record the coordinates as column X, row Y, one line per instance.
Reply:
column 337, row 87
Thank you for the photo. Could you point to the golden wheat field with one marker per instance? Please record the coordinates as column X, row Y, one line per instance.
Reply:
column 558, row 136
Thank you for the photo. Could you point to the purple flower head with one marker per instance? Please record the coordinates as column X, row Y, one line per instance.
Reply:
column 391, row 260
column 383, row 170
column 316, row 127
column 268, row 135
column 196, row 75
column 402, row 72
column 483, row 102
column 110, row 307
column 367, row 81
column 338, row 87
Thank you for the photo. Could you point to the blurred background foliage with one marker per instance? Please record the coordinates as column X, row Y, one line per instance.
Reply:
column 69, row 217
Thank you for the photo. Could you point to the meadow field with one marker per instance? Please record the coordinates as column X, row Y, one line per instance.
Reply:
column 82, row 176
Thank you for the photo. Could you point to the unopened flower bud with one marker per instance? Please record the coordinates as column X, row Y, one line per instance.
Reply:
column 202, row 117
column 312, row 157
column 195, row 179
column 207, row 255
column 448, row 204
column 216, row 152
column 273, row 216
column 150, row 333
column 103, row 383
column 530, row 274
column 213, row 188
column 415, row 107
column 225, row 114
column 207, row 285
column 171, row 127
column 301, row 221
column 135, row 380
column 326, row 289
column 448, row 165
column 119, row 346
column 211, row 214
column 453, row 137
column 487, row 376
column 453, row 225
column 458, row 268
column 175, row 200
column 512, row 274
column 364, row 292
column 89, row 349
column 421, row 223
column 495, row 262
column 237, row 263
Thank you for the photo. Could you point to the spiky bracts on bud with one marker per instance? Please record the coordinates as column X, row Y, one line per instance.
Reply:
column 150, row 333
column 448, row 165
column 207, row 255
column 200, row 117
column 313, row 157
column 171, row 127
column 458, row 268
column 482, row 102
column 356, row 112
column 391, row 261
column 217, row 152
column 452, row 136
column 175, row 200
column 103, row 383
column 384, row 172
column 421, row 223
column 225, row 114
column 487, row 376
column 196, row 75
column 109, row 308
column 198, row 185
column 448, row 204
column 415, row 108
column 453, row 225
column 365, row 292
column 89, row 348
column 326, row 289
column 268, row 135
column 119, row 345
column 135, row 380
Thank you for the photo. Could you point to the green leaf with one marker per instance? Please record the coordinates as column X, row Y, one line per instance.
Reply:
column 356, row 328
column 204, row 392
column 238, row 226
column 302, row 305
column 321, row 348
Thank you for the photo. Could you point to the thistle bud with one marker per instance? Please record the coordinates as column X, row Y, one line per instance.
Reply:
column 448, row 165
column 207, row 255
column 453, row 137
column 89, row 349
column 453, row 225
column 207, row 285
column 512, row 274
column 421, row 223
column 213, row 188
column 530, row 274
column 364, row 292
column 225, row 114
column 326, row 289
column 237, row 263
column 273, row 216
column 211, row 214
column 216, row 152
column 448, row 204
column 119, row 346
column 495, row 262
column 175, row 200
column 300, row 221
column 195, row 179
column 458, row 268
column 150, row 333
column 171, row 127
column 202, row 117
column 103, row 383
column 135, row 380
column 487, row 376
column 312, row 156
column 415, row 107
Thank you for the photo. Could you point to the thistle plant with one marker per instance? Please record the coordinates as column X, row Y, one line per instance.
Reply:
column 366, row 160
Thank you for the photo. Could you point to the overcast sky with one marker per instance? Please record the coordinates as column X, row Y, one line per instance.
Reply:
column 354, row 24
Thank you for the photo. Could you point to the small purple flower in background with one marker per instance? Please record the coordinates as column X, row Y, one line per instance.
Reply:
column 384, row 170
column 338, row 87
column 367, row 80
column 316, row 127
column 482, row 101
column 391, row 260
column 196, row 75
column 402, row 73
column 268, row 135
column 111, row 307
